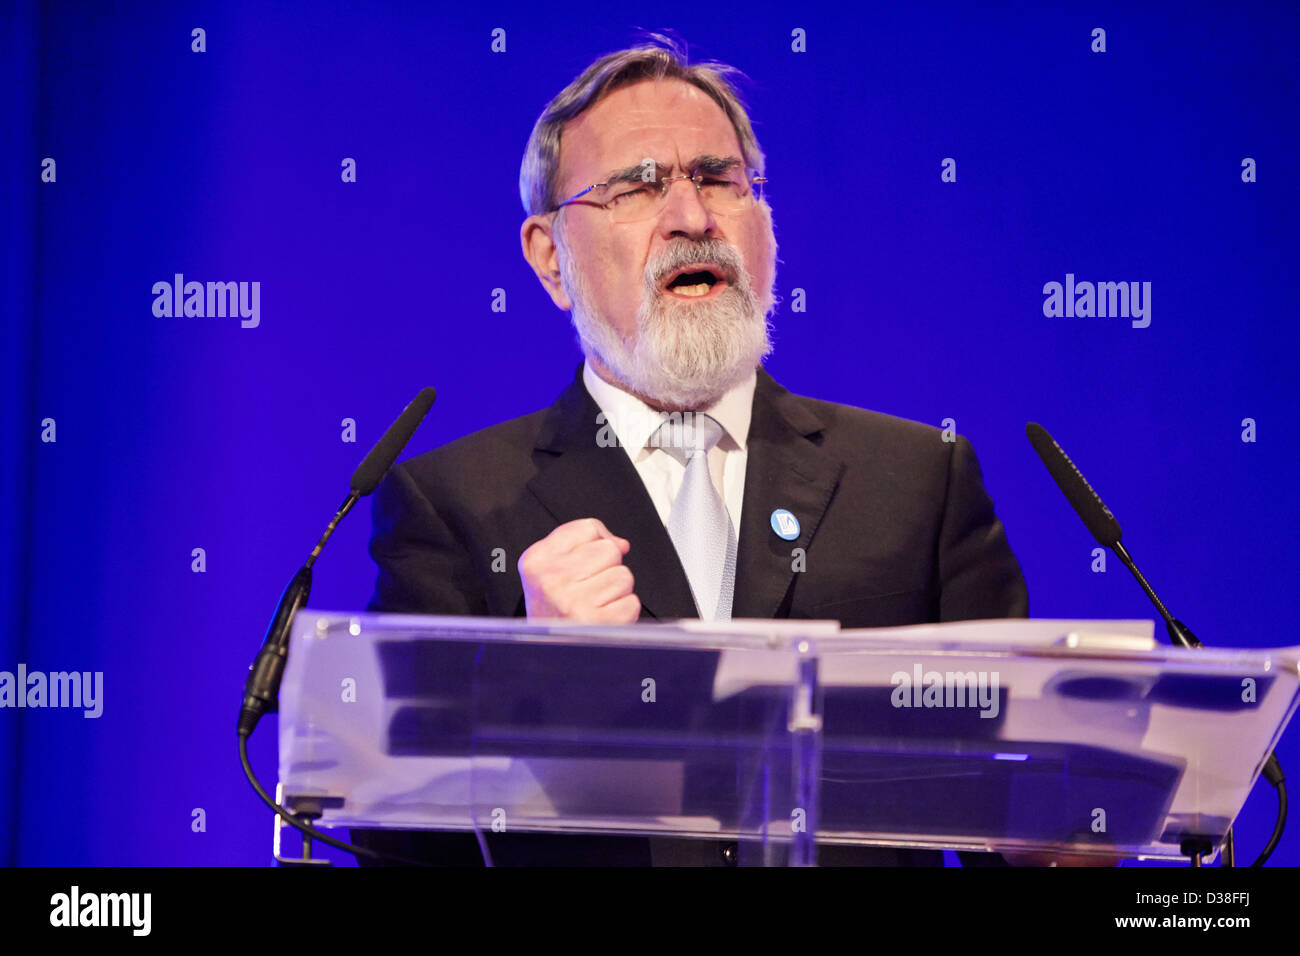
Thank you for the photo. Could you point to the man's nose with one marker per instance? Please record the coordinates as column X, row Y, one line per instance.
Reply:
column 684, row 211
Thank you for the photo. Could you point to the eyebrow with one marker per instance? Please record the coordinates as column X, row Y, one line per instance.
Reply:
column 704, row 163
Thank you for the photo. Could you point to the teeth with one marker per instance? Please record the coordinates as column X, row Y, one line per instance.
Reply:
column 699, row 289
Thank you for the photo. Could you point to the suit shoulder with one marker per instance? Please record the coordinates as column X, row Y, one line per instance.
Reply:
column 851, row 423
column 494, row 448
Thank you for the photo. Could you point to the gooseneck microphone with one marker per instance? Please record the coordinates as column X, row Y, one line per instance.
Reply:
column 1105, row 528
column 263, row 685
column 262, row 688
column 1099, row 520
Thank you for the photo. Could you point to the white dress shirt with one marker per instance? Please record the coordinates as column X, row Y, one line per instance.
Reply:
column 634, row 423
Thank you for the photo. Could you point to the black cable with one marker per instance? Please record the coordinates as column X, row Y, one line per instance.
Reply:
column 310, row 830
column 1278, row 827
column 262, row 688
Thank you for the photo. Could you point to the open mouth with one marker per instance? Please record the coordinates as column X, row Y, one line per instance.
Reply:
column 696, row 283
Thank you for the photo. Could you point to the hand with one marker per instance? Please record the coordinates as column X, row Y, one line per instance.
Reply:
column 577, row 573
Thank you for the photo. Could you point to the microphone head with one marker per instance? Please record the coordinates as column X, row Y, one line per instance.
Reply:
column 376, row 464
column 1087, row 503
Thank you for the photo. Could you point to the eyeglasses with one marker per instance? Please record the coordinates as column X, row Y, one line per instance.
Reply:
column 634, row 201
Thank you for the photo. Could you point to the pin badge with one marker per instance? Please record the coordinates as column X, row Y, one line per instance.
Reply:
column 785, row 524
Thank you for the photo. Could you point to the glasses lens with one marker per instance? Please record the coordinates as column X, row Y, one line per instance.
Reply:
column 628, row 202
column 632, row 202
column 726, row 194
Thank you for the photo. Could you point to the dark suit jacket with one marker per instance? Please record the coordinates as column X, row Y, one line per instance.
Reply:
column 894, row 521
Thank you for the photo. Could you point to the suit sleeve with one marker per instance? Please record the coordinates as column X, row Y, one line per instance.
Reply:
column 979, row 577
column 423, row 568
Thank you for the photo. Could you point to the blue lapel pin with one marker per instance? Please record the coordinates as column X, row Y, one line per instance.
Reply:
column 785, row 525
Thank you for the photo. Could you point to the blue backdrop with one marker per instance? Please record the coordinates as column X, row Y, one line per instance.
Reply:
column 924, row 298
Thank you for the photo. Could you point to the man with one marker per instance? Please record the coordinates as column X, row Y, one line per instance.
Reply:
column 675, row 478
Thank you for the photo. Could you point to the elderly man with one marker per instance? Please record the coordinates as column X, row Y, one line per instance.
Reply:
column 674, row 478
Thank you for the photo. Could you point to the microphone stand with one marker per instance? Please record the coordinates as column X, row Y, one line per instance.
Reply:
column 1088, row 505
column 262, row 688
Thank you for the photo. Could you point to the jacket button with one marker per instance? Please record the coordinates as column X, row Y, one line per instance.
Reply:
column 730, row 852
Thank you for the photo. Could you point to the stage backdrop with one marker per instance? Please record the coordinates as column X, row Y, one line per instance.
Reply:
column 932, row 170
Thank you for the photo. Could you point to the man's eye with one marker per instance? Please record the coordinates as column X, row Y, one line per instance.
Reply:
column 628, row 194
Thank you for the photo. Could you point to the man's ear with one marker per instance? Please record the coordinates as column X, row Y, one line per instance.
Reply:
column 536, row 237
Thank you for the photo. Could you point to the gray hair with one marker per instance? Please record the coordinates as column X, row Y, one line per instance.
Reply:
column 663, row 58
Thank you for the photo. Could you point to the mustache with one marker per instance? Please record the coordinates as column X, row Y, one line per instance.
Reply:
column 684, row 252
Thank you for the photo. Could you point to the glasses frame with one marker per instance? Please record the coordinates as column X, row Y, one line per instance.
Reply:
column 664, row 184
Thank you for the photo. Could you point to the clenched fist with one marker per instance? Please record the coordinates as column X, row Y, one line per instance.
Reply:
column 576, row 572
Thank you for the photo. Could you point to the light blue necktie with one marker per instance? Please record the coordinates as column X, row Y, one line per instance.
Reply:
column 699, row 524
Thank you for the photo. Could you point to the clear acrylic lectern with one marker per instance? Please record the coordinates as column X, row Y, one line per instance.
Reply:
column 1006, row 735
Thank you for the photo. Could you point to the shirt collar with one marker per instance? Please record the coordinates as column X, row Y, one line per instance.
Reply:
column 634, row 422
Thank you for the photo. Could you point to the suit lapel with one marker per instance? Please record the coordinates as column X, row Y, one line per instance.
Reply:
column 579, row 478
column 784, row 469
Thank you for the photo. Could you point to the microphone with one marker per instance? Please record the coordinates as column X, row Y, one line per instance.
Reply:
column 1105, row 528
column 376, row 464
column 1099, row 520
column 262, row 688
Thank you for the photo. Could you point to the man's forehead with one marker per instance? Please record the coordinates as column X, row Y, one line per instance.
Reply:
column 669, row 121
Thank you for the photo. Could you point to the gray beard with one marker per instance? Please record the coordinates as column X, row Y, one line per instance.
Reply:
column 686, row 354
